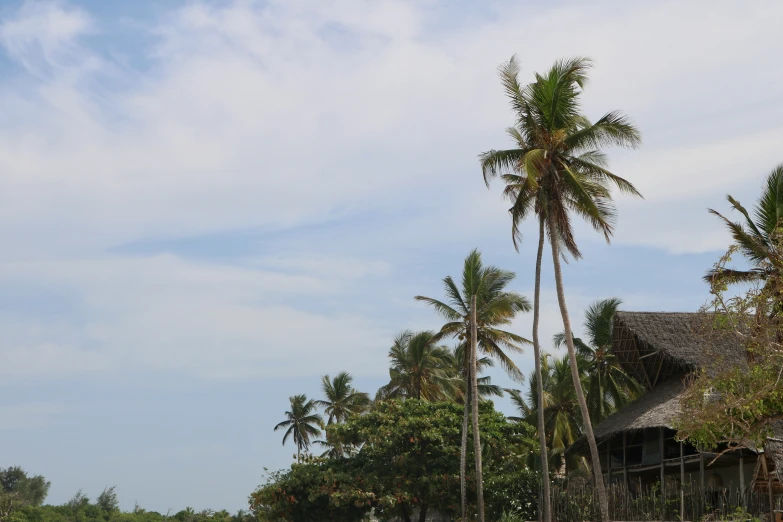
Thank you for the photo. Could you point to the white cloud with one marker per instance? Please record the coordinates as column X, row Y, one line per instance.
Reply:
column 29, row 415
column 284, row 113
column 42, row 36
column 164, row 314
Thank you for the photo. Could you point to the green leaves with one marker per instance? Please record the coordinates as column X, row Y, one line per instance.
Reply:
column 420, row 369
column 342, row 400
column 409, row 458
column 557, row 167
column 302, row 421
column 755, row 238
column 736, row 405
column 496, row 307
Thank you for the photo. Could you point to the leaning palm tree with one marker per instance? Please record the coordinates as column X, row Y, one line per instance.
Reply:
column 557, row 169
column 494, row 308
column 609, row 387
column 342, row 400
column 420, row 369
column 758, row 236
column 302, row 423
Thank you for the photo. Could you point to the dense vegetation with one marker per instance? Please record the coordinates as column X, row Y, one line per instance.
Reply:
column 405, row 464
column 730, row 406
column 22, row 497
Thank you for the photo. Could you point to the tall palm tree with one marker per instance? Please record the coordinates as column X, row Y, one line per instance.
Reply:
column 420, row 369
column 342, row 400
column 557, row 169
column 495, row 308
column 302, row 422
column 759, row 236
column 609, row 387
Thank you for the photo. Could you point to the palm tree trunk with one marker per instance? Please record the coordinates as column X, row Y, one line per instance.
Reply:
column 423, row 513
column 596, row 463
column 546, row 502
column 463, row 453
column 474, row 401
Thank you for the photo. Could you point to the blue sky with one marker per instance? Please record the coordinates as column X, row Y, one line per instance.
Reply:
column 206, row 206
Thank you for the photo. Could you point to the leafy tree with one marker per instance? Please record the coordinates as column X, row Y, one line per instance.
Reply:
column 342, row 400
column 557, row 169
column 608, row 386
column 302, row 423
column 408, row 463
column 18, row 490
column 756, row 237
column 495, row 308
column 78, row 502
column 420, row 369
column 738, row 404
column 107, row 500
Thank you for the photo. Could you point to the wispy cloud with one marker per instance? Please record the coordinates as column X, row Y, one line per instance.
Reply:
column 278, row 115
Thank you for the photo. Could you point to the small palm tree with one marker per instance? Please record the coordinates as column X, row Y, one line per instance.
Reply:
column 759, row 236
column 494, row 308
column 342, row 400
column 609, row 387
column 562, row 423
column 420, row 369
column 302, row 422
column 557, row 169
column 461, row 359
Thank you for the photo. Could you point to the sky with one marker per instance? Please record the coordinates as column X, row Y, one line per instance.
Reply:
column 205, row 206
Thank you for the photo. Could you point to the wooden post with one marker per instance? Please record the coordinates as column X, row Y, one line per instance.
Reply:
column 682, row 483
column 763, row 458
column 625, row 469
column 742, row 479
column 701, row 472
column 663, row 483
column 660, row 440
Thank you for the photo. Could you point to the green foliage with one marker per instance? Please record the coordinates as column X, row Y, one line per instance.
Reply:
column 562, row 419
column 302, row 421
column 607, row 386
column 420, row 369
column 496, row 307
column 107, row 500
column 94, row 513
column 511, row 493
column 30, row 490
column 557, row 168
column 734, row 406
column 18, row 491
column 409, row 459
column 756, row 237
column 342, row 400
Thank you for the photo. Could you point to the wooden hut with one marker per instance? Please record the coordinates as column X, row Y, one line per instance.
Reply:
column 637, row 444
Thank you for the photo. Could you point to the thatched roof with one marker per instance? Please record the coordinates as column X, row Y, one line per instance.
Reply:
column 658, row 349
column 774, row 448
column 656, row 408
column 653, row 346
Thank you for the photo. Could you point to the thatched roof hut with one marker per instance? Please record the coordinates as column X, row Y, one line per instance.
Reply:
column 774, row 450
column 659, row 349
column 657, row 408
column 653, row 346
